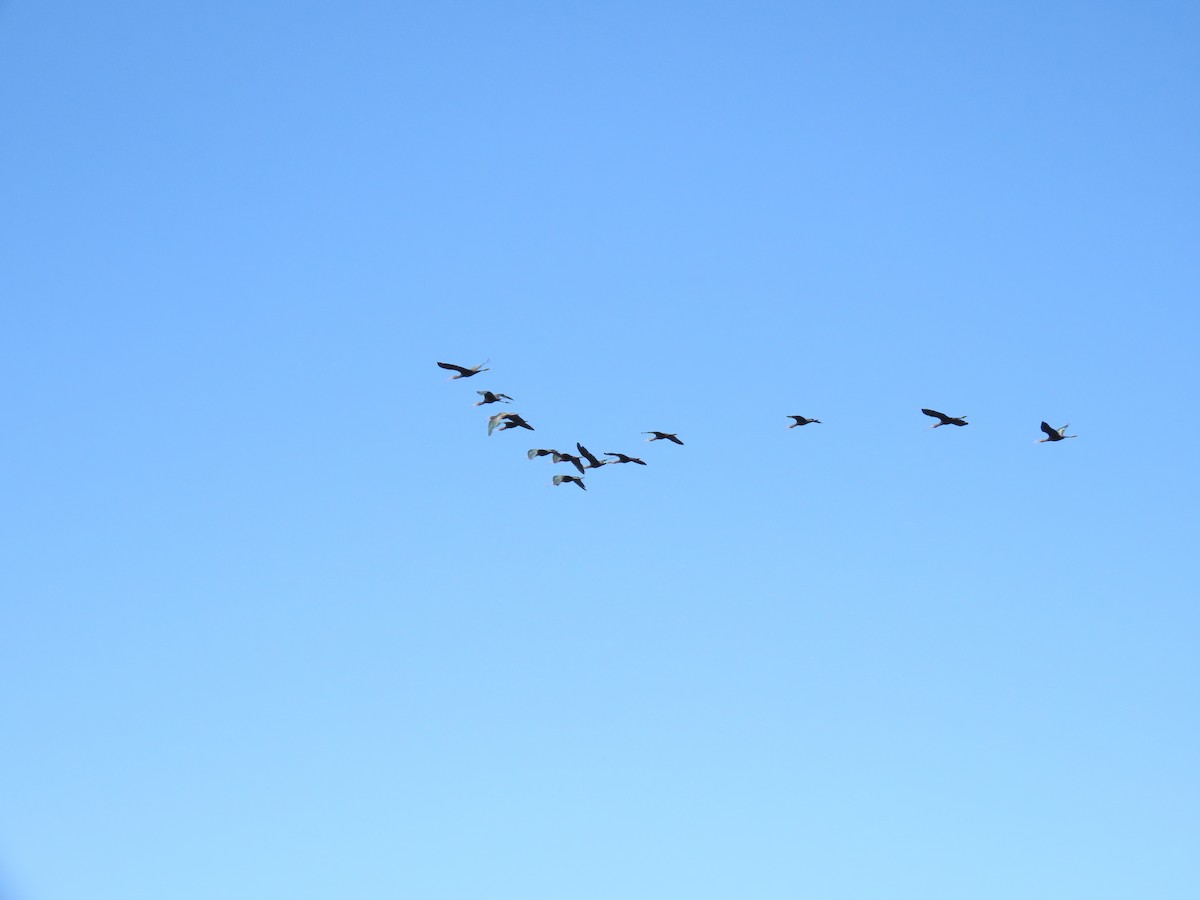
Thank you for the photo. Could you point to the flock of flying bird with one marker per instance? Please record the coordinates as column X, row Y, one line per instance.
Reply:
column 585, row 460
column 504, row 420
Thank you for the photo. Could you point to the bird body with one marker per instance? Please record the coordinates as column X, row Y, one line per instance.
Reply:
column 945, row 419
column 622, row 458
column 1055, row 434
column 489, row 397
column 463, row 371
column 800, row 420
column 662, row 435
column 572, row 479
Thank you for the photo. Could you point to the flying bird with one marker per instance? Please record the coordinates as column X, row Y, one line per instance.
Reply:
column 662, row 435
column 463, row 371
column 800, row 420
column 1055, row 434
column 567, row 457
column 622, row 458
column 506, row 421
column 569, row 479
column 945, row 419
column 515, row 421
column 489, row 397
column 593, row 463
column 534, row 454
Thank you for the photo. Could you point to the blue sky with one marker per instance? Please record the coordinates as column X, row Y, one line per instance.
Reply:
column 280, row 618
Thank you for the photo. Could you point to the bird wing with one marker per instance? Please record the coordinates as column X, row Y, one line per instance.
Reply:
column 454, row 368
column 671, row 437
column 558, row 479
column 515, row 420
column 587, row 454
column 640, row 462
column 579, row 481
column 935, row 414
column 1063, row 430
column 1050, row 432
column 493, row 421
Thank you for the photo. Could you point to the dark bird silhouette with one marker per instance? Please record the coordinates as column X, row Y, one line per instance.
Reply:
column 506, row 421
column 568, row 457
column 593, row 463
column 514, row 420
column 534, row 454
column 463, row 371
column 569, row 479
column 662, row 435
column 622, row 458
column 1055, row 434
column 945, row 419
column 800, row 420
column 489, row 397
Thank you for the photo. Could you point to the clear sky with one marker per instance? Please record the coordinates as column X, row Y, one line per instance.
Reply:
column 279, row 618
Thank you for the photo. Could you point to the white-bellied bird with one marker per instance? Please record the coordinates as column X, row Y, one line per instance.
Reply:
column 569, row 479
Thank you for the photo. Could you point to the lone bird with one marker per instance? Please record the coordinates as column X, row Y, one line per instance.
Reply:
column 569, row 479
column 1055, row 434
column 489, row 397
column 593, row 463
column 800, row 420
column 463, row 371
column 506, row 421
column 534, row 454
column 662, row 435
column 945, row 419
column 622, row 458
column 567, row 457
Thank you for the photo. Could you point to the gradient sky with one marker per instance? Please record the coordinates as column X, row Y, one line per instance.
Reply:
column 279, row 618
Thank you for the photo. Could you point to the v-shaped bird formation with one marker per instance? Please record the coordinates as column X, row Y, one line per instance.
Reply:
column 584, row 460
